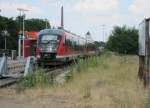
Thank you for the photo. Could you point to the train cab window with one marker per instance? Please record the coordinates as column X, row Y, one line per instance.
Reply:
column 49, row 40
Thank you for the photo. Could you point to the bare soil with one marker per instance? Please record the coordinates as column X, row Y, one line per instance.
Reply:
column 41, row 102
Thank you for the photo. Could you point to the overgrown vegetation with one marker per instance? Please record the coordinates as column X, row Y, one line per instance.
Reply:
column 108, row 81
column 123, row 40
column 36, row 79
column 83, row 65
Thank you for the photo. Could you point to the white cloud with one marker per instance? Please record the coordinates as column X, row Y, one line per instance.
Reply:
column 140, row 7
column 50, row 1
column 10, row 9
column 96, row 5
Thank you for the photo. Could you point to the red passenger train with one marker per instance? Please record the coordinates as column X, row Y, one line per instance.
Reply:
column 59, row 45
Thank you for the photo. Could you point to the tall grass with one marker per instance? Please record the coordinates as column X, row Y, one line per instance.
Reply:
column 147, row 103
column 84, row 65
column 108, row 81
column 37, row 79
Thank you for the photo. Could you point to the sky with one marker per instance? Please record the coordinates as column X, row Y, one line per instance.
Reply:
column 81, row 16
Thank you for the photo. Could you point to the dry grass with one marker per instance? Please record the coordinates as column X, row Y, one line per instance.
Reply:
column 111, row 84
column 114, row 85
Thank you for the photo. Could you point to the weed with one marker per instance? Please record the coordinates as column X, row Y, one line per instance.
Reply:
column 86, row 93
column 123, row 59
column 68, row 76
column 36, row 79
column 147, row 103
column 84, row 65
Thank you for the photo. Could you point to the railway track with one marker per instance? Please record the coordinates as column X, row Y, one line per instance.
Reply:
column 51, row 72
column 54, row 72
column 5, row 82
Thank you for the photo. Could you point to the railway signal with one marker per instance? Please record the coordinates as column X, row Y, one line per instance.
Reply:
column 5, row 34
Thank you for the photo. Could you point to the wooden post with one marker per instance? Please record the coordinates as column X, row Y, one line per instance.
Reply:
column 146, row 70
column 143, row 73
column 141, row 67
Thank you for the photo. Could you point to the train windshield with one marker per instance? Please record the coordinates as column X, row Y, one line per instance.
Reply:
column 49, row 39
column 48, row 42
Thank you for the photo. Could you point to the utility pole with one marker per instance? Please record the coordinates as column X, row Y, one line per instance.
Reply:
column 46, row 24
column 0, row 10
column 19, row 46
column 103, row 32
column 20, row 32
column 22, row 11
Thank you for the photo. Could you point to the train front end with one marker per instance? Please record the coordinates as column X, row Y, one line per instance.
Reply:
column 48, row 43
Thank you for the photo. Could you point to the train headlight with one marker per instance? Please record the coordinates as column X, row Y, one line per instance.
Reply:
column 50, row 48
column 41, row 49
column 38, row 56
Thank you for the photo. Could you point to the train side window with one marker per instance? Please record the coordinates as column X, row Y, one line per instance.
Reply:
column 66, row 40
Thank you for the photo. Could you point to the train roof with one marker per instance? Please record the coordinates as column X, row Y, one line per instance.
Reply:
column 59, row 31
column 53, row 31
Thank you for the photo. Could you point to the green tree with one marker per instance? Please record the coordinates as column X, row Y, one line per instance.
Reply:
column 123, row 40
column 9, row 25
column 36, row 24
column 13, row 25
column 33, row 24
